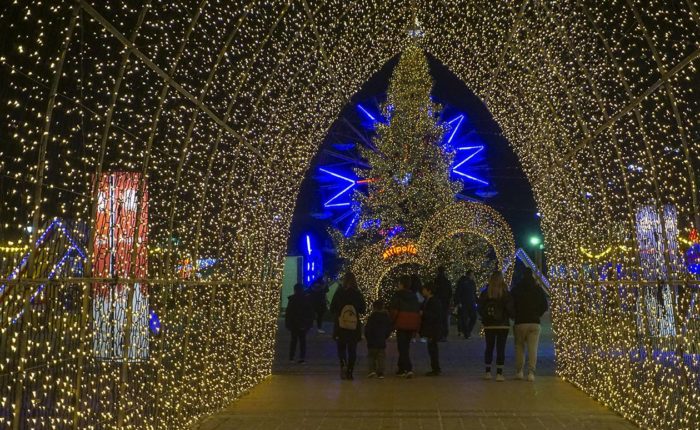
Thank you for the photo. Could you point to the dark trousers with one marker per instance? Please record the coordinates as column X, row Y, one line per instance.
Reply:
column 319, row 317
column 445, row 321
column 495, row 337
column 347, row 353
column 403, row 341
column 434, row 355
column 298, row 336
column 375, row 360
column 466, row 319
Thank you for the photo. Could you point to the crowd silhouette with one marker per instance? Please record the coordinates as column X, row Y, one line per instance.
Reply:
column 422, row 309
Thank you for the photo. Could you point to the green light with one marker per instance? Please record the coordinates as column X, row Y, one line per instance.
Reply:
column 535, row 240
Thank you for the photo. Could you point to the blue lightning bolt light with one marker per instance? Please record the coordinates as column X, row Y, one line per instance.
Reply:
column 330, row 202
column 458, row 120
column 366, row 112
column 472, row 152
column 308, row 244
column 312, row 264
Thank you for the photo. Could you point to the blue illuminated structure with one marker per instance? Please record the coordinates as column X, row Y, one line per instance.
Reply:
column 153, row 322
column 692, row 256
column 344, row 196
column 312, row 261
column 73, row 252
column 338, row 181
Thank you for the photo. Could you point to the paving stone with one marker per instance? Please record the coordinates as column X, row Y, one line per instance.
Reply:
column 310, row 396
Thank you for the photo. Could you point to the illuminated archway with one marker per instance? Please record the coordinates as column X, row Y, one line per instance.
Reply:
column 375, row 261
column 371, row 266
column 474, row 218
column 218, row 107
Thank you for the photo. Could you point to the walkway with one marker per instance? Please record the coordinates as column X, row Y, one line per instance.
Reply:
column 310, row 396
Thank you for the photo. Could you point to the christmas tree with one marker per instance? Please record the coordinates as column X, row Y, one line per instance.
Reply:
column 409, row 180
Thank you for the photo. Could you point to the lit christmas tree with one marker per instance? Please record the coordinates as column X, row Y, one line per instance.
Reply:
column 409, row 180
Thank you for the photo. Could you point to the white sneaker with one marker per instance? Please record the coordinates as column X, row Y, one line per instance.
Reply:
column 321, row 331
column 409, row 375
column 500, row 378
column 487, row 376
column 519, row 375
column 531, row 377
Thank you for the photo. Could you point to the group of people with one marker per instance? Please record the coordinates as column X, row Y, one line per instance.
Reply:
column 423, row 309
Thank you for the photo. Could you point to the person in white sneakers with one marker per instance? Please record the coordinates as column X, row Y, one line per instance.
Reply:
column 495, row 307
column 529, row 302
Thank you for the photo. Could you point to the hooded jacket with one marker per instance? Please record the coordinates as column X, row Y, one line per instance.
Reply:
column 529, row 302
column 300, row 313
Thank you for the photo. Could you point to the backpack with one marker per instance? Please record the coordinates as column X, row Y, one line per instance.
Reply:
column 348, row 318
column 492, row 310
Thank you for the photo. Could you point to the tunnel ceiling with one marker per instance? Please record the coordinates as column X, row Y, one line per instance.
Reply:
column 223, row 103
column 219, row 106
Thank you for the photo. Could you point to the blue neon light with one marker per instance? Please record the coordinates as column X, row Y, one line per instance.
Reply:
column 55, row 223
column 457, row 139
column 308, row 244
column 474, row 150
column 329, row 203
column 366, row 112
column 459, row 120
column 473, row 178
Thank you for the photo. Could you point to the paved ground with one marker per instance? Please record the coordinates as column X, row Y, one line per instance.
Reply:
column 311, row 396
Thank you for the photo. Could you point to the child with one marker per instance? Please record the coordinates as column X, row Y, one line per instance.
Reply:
column 431, row 326
column 298, row 320
column 377, row 330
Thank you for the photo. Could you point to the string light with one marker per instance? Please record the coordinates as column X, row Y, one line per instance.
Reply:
column 221, row 105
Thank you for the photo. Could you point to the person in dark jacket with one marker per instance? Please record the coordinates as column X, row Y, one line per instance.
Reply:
column 405, row 313
column 298, row 319
column 319, row 290
column 347, row 306
column 377, row 330
column 465, row 302
column 416, row 284
column 431, row 326
column 529, row 303
column 443, row 291
column 495, row 308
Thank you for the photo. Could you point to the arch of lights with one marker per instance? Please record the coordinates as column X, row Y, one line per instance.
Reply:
column 369, row 268
column 473, row 218
column 460, row 217
column 215, row 108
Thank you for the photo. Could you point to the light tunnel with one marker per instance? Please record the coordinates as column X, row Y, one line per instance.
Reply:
column 213, row 109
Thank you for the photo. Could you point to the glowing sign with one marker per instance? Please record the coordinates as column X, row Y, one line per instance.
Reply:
column 407, row 249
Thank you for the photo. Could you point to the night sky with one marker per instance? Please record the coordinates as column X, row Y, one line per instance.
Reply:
column 514, row 200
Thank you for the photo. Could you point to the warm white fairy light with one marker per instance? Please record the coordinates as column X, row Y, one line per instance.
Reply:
column 598, row 99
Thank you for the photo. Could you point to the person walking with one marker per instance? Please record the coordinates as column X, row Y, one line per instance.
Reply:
column 319, row 299
column 431, row 326
column 495, row 308
column 443, row 291
column 377, row 330
column 405, row 314
column 529, row 303
column 465, row 302
column 298, row 319
column 347, row 306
